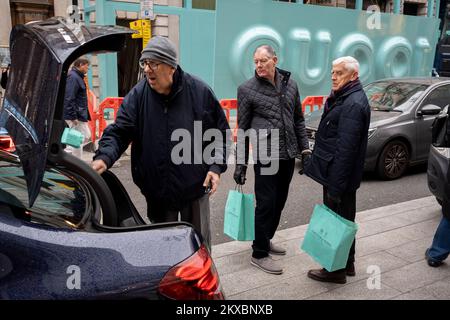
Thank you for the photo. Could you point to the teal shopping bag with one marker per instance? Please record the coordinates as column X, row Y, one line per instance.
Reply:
column 329, row 238
column 239, row 220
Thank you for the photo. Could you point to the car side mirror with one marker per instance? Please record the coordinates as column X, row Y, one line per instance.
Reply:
column 429, row 110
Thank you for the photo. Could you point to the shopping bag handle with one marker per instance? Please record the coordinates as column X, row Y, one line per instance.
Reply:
column 239, row 188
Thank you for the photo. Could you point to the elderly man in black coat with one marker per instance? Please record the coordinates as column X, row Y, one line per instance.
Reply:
column 166, row 117
column 337, row 161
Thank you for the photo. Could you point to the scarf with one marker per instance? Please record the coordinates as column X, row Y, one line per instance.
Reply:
column 334, row 95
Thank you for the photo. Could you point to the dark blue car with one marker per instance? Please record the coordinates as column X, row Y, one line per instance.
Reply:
column 439, row 159
column 65, row 231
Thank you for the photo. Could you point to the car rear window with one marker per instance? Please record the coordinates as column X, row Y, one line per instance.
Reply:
column 386, row 96
column 61, row 200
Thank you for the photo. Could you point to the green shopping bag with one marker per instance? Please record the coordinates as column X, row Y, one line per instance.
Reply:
column 239, row 220
column 329, row 238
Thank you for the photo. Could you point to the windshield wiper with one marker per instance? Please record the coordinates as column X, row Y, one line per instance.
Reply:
column 385, row 110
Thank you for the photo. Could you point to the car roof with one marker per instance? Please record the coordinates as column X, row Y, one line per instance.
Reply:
column 417, row 80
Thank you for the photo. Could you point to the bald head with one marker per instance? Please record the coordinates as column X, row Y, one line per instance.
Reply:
column 265, row 61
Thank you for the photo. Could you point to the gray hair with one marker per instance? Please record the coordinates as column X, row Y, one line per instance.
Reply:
column 350, row 63
column 268, row 48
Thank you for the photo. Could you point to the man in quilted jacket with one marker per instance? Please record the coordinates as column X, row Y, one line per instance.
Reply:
column 269, row 105
column 340, row 147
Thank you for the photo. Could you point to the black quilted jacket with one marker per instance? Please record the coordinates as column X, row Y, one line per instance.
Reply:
column 261, row 105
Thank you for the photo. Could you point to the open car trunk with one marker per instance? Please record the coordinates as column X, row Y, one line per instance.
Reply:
column 41, row 54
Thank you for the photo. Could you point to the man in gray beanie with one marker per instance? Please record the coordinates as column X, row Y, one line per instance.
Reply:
column 169, row 99
column 161, row 49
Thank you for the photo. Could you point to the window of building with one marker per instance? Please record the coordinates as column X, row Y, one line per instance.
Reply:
column 204, row 4
column 23, row 11
column 410, row 8
column 351, row 4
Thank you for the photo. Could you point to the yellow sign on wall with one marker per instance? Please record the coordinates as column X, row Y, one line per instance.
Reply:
column 143, row 27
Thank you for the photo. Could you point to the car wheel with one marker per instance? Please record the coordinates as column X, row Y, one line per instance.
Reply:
column 393, row 160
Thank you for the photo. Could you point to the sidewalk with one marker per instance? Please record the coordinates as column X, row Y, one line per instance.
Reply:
column 394, row 238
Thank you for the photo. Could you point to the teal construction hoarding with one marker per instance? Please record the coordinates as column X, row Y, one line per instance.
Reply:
column 308, row 38
column 217, row 45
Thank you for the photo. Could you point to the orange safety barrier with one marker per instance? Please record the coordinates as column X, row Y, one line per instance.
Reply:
column 228, row 105
column 97, row 113
column 114, row 103
column 108, row 103
column 312, row 101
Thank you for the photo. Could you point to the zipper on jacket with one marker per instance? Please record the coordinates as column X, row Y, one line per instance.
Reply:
column 166, row 108
column 166, row 171
column 282, row 95
column 166, row 101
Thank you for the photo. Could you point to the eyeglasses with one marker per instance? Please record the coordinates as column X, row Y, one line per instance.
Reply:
column 152, row 65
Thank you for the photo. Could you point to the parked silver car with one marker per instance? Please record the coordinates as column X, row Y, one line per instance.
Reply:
column 403, row 111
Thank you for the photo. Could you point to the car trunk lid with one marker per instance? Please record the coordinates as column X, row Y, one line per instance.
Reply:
column 41, row 53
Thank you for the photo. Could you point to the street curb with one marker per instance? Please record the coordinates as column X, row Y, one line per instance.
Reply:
column 234, row 247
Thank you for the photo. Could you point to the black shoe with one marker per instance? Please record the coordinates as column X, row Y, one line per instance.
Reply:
column 434, row 263
column 431, row 262
column 350, row 270
column 325, row 276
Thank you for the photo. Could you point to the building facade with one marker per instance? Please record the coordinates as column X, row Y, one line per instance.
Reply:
column 14, row 12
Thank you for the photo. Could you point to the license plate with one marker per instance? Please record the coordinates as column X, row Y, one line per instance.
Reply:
column 311, row 144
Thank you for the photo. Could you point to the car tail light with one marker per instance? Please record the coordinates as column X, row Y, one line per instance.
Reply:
column 195, row 278
column 6, row 144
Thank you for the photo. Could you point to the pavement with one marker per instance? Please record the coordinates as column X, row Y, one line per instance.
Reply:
column 390, row 241
column 390, row 246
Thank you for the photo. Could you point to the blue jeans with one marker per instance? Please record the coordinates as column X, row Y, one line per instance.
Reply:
column 440, row 248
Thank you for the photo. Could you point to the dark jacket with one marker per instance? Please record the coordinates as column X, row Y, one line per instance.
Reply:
column 341, row 141
column 75, row 100
column 4, row 79
column 148, row 119
column 261, row 105
column 446, row 200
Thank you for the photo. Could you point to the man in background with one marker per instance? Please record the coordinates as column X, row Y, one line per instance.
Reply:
column 76, row 112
